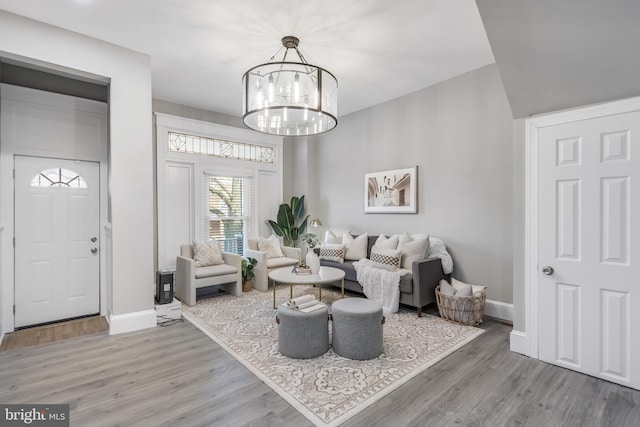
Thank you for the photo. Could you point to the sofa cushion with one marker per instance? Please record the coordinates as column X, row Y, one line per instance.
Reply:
column 215, row 270
column 205, row 254
column 280, row 262
column 355, row 248
column 332, row 252
column 346, row 266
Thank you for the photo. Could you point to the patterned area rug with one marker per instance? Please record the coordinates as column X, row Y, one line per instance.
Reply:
column 329, row 389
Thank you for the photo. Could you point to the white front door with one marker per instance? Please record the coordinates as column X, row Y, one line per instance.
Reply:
column 57, row 260
column 589, row 244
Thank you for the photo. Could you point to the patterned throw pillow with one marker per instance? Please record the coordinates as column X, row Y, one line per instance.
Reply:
column 332, row 252
column 270, row 246
column 388, row 259
column 205, row 254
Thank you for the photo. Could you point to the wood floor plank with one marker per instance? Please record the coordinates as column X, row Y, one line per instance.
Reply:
column 177, row 376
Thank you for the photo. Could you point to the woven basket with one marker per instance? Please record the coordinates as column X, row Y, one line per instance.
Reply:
column 461, row 310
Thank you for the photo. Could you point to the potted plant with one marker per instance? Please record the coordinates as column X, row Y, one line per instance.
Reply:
column 247, row 273
column 287, row 223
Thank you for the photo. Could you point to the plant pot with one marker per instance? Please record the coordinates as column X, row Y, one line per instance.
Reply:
column 247, row 286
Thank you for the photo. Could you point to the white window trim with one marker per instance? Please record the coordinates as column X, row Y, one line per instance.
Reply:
column 198, row 164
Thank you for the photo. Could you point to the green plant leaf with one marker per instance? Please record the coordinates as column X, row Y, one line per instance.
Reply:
column 276, row 228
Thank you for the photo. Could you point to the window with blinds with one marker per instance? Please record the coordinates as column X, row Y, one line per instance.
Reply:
column 228, row 200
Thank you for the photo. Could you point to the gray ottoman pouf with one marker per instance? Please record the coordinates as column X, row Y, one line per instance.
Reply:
column 357, row 328
column 302, row 335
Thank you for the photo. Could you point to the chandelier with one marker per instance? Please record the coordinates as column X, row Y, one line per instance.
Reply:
column 289, row 98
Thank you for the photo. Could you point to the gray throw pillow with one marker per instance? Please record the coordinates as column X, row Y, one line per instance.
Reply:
column 446, row 288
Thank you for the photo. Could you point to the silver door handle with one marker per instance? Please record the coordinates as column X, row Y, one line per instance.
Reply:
column 548, row 270
column 94, row 250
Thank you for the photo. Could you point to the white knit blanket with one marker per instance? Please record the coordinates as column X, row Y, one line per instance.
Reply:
column 379, row 284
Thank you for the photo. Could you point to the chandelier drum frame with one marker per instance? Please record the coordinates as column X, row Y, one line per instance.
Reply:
column 289, row 98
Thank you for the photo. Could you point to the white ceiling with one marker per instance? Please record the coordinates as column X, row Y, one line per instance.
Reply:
column 199, row 49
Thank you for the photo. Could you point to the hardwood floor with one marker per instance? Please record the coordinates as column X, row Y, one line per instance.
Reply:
column 177, row 376
column 54, row 332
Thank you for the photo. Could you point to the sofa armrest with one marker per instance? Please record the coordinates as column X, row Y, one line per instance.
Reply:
column 427, row 274
column 260, row 271
column 185, row 273
column 236, row 261
column 291, row 252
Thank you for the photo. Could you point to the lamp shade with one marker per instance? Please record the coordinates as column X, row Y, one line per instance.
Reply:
column 289, row 98
column 315, row 223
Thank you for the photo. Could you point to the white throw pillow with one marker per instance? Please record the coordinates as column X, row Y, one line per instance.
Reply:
column 464, row 291
column 412, row 250
column 383, row 242
column 205, row 254
column 332, row 252
column 270, row 246
column 333, row 237
column 446, row 288
column 457, row 285
column 388, row 259
column 355, row 249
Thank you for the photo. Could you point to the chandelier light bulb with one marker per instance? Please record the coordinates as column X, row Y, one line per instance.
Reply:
column 284, row 91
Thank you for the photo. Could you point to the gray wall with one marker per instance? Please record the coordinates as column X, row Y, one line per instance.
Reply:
column 166, row 107
column 555, row 55
column 459, row 133
column 519, row 301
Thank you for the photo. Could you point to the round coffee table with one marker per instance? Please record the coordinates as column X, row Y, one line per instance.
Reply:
column 324, row 277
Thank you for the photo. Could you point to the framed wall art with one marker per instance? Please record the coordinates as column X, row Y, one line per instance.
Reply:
column 392, row 191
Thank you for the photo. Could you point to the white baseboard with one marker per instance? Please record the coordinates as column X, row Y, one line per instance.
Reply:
column 518, row 342
column 499, row 310
column 129, row 322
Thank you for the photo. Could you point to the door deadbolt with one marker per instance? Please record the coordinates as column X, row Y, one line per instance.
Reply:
column 548, row 270
column 94, row 239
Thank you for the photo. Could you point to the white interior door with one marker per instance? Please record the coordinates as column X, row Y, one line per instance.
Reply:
column 589, row 241
column 57, row 260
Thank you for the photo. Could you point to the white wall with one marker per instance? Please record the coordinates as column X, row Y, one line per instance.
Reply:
column 459, row 133
column 179, row 182
column 130, row 150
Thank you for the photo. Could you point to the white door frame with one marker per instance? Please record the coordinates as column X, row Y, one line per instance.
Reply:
column 533, row 126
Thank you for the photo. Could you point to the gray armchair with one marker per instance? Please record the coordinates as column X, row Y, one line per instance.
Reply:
column 265, row 265
column 189, row 277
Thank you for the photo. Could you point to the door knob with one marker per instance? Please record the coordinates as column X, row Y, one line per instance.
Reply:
column 94, row 250
column 548, row 270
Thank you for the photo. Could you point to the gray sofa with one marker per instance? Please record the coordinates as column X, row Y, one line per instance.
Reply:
column 416, row 289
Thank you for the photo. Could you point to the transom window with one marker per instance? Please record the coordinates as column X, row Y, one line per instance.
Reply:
column 58, row 177
column 191, row 144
